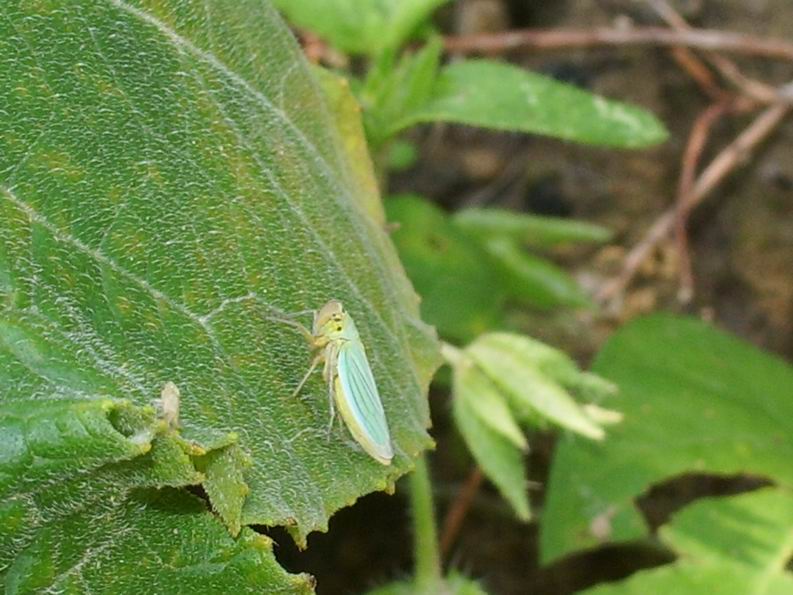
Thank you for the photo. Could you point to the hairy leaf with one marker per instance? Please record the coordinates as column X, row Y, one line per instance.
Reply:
column 347, row 115
column 159, row 541
column 81, row 514
column 225, row 483
column 47, row 440
column 171, row 179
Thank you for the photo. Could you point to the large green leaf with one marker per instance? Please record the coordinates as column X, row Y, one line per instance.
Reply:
column 496, row 95
column 83, row 509
column 171, row 175
column 694, row 400
column 731, row 546
column 161, row 541
column 360, row 26
column 52, row 439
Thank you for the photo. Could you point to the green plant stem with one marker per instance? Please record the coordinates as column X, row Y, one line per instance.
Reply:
column 451, row 354
column 425, row 533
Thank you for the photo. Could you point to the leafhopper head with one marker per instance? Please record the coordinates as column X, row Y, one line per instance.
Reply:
column 329, row 319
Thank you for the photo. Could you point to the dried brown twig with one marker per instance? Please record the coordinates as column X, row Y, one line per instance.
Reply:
column 692, row 190
column 686, row 58
column 737, row 152
column 719, row 168
column 697, row 140
column 702, row 75
column 459, row 509
column 700, row 131
column 751, row 88
column 546, row 39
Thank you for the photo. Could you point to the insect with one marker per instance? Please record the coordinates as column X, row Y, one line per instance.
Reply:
column 351, row 386
column 168, row 404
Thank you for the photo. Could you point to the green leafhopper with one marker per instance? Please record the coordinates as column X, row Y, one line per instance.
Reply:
column 346, row 371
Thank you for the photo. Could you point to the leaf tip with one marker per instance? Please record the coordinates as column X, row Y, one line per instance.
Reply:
column 591, row 431
column 603, row 416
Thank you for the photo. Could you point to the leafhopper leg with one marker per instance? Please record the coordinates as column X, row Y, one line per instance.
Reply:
column 314, row 363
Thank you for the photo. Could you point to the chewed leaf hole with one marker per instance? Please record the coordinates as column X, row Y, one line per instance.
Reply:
column 614, row 563
column 664, row 499
column 120, row 422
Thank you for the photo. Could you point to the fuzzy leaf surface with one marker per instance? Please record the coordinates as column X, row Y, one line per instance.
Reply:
column 171, row 174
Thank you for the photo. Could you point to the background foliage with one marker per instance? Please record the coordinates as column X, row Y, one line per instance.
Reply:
column 695, row 401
